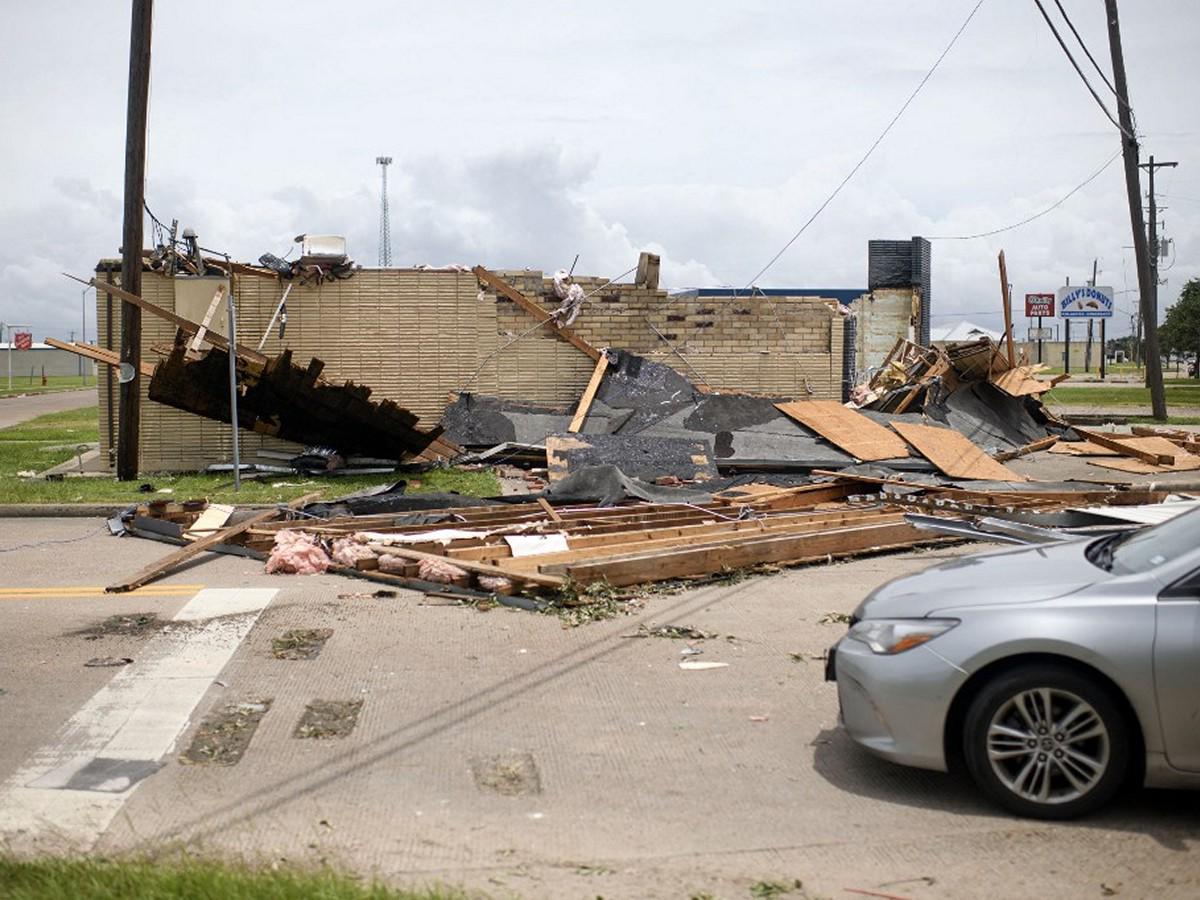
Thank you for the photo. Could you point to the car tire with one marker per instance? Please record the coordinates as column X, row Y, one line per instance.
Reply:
column 1020, row 759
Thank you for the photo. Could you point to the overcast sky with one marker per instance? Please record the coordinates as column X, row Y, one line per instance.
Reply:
column 526, row 132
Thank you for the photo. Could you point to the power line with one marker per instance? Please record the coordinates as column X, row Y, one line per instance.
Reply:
column 871, row 149
column 1088, row 84
column 1086, row 51
column 1048, row 209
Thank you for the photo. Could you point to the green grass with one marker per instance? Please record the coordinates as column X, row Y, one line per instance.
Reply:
column 1180, row 392
column 51, row 439
column 21, row 383
column 86, row 878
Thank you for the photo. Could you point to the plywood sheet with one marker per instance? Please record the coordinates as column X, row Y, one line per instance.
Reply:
column 1184, row 461
column 954, row 454
column 846, row 429
column 1082, row 448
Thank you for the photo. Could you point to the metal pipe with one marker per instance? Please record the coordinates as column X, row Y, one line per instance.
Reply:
column 233, row 391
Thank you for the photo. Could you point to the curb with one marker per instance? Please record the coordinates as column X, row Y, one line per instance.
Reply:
column 59, row 510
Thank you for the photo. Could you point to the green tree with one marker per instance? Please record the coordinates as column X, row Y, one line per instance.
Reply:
column 1180, row 333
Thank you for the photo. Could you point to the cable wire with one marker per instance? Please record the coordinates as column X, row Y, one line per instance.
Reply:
column 1087, row 52
column 871, row 149
column 1087, row 84
column 1048, row 209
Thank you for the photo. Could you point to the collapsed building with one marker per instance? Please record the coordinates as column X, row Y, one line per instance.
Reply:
column 420, row 337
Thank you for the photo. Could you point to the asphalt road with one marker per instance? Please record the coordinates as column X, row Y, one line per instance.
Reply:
column 15, row 410
column 501, row 751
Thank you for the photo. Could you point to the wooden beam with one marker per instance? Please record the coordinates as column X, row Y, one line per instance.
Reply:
column 194, row 347
column 99, row 354
column 163, row 566
column 1032, row 447
column 185, row 325
column 550, row 510
column 1008, row 325
column 1110, row 443
column 708, row 559
column 589, row 393
column 500, row 286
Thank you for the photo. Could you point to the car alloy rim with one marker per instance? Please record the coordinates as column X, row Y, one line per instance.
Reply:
column 1048, row 745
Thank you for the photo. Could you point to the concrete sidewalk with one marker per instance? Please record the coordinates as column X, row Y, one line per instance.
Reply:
column 503, row 752
column 15, row 410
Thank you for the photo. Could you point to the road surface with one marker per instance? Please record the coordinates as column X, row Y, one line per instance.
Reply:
column 15, row 410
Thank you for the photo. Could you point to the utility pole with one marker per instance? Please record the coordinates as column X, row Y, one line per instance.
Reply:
column 1154, row 252
column 128, row 425
column 1133, row 188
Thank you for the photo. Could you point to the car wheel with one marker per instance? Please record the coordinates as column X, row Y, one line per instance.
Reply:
column 1046, row 742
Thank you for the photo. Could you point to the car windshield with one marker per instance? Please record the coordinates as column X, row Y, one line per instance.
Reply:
column 1149, row 548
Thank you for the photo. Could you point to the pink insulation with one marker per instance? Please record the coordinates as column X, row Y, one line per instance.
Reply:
column 297, row 553
column 440, row 572
column 348, row 551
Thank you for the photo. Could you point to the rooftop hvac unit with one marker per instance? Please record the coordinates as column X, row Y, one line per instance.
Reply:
column 322, row 247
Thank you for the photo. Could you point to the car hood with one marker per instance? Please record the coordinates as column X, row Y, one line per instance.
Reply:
column 1018, row 575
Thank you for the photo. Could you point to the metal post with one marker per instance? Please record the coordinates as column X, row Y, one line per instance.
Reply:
column 233, row 391
column 2, row 327
column 83, row 332
column 1039, row 338
column 1103, row 349
column 1066, row 346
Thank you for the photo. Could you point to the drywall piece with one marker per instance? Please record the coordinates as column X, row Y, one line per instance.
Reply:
column 637, row 457
column 954, row 454
column 846, row 428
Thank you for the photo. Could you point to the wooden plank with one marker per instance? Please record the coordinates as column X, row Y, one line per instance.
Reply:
column 500, row 286
column 846, row 428
column 1182, row 462
column 187, row 325
column 954, row 453
column 708, row 559
column 1006, row 297
column 1128, row 447
column 166, row 564
column 589, row 394
column 1031, row 447
column 550, row 510
column 213, row 518
column 194, row 348
column 99, row 354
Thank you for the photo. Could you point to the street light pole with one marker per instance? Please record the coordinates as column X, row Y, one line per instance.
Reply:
column 83, row 332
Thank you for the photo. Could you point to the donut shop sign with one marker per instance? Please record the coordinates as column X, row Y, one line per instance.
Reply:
column 1085, row 302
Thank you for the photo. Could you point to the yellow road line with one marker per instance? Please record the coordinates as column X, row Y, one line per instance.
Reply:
column 168, row 590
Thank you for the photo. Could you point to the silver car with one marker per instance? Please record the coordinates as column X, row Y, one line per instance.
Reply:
column 1054, row 673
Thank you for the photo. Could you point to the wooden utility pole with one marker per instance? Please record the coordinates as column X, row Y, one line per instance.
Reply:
column 128, row 425
column 1133, row 188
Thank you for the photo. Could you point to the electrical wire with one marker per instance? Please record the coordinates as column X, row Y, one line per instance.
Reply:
column 1048, row 209
column 871, row 149
column 1087, row 52
column 1087, row 84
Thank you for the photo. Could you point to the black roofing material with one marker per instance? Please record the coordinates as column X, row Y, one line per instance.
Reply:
column 689, row 459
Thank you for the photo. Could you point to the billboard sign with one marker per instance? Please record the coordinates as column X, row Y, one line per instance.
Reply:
column 1041, row 334
column 1085, row 302
column 23, row 340
column 1039, row 305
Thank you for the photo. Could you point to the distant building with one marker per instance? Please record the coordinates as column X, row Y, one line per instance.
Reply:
column 962, row 331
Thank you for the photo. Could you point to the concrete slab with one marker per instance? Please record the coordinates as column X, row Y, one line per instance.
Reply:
column 651, row 781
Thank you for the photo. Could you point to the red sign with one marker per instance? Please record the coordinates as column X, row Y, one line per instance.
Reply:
column 23, row 340
column 1039, row 305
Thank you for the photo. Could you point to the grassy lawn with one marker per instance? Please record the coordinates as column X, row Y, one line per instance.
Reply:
column 40, row 443
column 22, row 385
column 99, row 879
column 1180, row 392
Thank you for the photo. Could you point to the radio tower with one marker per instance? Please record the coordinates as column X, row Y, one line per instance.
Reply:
column 385, row 227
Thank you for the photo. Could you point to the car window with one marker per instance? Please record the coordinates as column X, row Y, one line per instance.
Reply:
column 1153, row 547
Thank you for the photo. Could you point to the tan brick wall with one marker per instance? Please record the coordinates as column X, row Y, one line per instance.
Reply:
column 883, row 316
column 415, row 336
